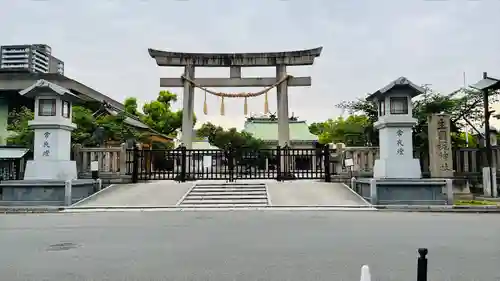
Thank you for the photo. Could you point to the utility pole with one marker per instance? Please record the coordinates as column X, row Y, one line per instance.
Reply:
column 487, row 115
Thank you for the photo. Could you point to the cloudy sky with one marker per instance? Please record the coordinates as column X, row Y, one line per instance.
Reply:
column 367, row 44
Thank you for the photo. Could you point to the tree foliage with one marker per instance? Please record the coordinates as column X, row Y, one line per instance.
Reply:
column 245, row 149
column 462, row 105
column 19, row 125
column 350, row 131
column 231, row 138
column 157, row 114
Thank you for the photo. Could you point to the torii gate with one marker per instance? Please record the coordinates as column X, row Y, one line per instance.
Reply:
column 235, row 61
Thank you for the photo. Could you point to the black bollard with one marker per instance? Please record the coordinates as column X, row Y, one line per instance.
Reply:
column 422, row 264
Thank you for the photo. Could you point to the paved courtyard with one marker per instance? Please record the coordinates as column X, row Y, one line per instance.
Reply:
column 247, row 246
column 156, row 193
column 168, row 193
column 312, row 193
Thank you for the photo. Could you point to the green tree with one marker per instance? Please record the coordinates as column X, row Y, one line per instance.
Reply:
column 242, row 144
column 223, row 139
column 465, row 104
column 351, row 131
column 85, row 122
column 130, row 106
column 22, row 135
column 114, row 127
column 158, row 114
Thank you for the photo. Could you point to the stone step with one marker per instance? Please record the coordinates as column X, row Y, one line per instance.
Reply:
column 222, row 206
column 224, row 201
column 227, row 190
column 205, row 193
column 230, row 186
column 226, row 196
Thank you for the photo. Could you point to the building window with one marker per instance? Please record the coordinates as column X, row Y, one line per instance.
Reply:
column 46, row 107
column 381, row 108
column 65, row 109
column 399, row 105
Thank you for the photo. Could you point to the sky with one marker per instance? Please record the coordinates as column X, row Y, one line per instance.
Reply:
column 366, row 45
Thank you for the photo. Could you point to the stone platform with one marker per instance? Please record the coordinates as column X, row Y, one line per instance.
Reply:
column 405, row 191
column 43, row 192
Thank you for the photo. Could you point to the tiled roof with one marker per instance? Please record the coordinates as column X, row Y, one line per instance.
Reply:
column 267, row 130
column 203, row 144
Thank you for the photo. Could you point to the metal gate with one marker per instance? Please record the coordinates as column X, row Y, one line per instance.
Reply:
column 182, row 164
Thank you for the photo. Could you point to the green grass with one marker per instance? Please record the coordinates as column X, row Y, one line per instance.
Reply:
column 474, row 203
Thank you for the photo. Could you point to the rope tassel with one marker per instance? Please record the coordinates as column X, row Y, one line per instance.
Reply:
column 245, row 107
column 237, row 95
column 222, row 109
column 266, row 104
column 205, row 107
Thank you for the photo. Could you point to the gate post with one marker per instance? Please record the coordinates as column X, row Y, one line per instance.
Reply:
column 326, row 163
column 182, row 176
column 278, row 163
column 135, row 164
column 230, row 152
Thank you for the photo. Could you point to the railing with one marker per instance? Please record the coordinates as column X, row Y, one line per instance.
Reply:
column 111, row 161
column 465, row 160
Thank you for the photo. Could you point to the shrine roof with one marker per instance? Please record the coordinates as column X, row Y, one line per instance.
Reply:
column 300, row 57
column 18, row 81
column 203, row 144
column 267, row 130
column 401, row 82
column 131, row 120
column 35, row 89
column 12, row 152
column 487, row 83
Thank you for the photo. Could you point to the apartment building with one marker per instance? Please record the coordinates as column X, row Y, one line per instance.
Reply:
column 34, row 58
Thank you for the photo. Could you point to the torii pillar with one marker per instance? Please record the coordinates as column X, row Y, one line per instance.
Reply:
column 235, row 61
column 188, row 108
column 282, row 102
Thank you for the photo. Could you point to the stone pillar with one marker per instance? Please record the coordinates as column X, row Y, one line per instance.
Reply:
column 282, row 94
column 440, row 154
column 188, row 108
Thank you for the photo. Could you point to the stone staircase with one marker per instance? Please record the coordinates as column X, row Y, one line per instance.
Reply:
column 226, row 195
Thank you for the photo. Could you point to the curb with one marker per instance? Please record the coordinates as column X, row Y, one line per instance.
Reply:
column 440, row 208
column 30, row 210
column 383, row 208
column 213, row 209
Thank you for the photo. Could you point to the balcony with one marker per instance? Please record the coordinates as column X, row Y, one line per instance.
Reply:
column 41, row 54
column 14, row 51
column 14, row 61
column 14, row 56
column 13, row 66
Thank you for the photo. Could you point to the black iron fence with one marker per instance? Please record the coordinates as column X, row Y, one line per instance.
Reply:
column 182, row 164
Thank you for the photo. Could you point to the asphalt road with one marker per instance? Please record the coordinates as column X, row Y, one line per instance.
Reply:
column 247, row 245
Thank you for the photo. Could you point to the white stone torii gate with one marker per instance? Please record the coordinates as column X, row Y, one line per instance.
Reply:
column 235, row 61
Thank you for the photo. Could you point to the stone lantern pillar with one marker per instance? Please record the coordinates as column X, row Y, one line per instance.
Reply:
column 52, row 125
column 395, row 124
